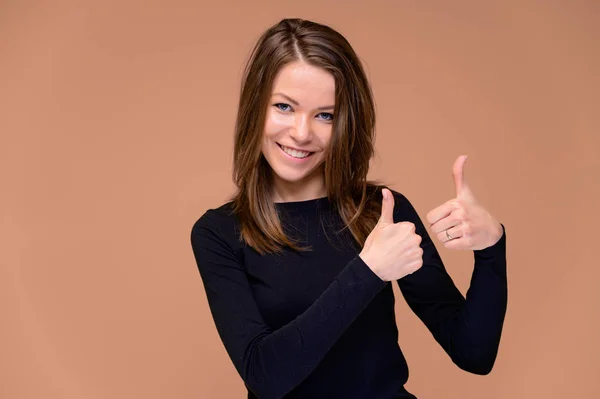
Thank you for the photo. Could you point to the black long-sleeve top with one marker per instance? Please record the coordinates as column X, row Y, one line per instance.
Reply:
column 321, row 324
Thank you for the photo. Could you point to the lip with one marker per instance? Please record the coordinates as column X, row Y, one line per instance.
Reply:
column 294, row 148
column 291, row 158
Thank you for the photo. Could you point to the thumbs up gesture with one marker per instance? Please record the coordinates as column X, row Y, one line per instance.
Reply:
column 392, row 250
column 461, row 223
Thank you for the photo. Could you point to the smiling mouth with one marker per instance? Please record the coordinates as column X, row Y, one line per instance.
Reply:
column 295, row 153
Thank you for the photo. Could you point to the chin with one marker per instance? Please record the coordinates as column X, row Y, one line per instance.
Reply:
column 292, row 172
column 290, row 176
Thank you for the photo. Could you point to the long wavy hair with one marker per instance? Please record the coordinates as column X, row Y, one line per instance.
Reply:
column 351, row 147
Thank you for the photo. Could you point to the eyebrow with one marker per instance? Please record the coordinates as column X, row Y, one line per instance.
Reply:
column 290, row 99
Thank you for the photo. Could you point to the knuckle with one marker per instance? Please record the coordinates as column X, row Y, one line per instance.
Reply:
column 467, row 231
column 455, row 204
column 409, row 226
column 419, row 263
column 418, row 252
column 459, row 214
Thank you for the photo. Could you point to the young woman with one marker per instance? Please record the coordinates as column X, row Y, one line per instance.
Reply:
column 298, row 265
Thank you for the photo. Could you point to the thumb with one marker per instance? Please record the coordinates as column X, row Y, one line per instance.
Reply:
column 387, row 207
column 458, row 174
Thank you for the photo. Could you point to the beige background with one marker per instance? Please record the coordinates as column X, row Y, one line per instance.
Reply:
column 116, row 135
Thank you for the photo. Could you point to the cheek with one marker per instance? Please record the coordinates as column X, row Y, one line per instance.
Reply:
column 325, row 133
column 277, row 122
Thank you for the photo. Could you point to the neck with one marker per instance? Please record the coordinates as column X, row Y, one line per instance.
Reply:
column 304, row 190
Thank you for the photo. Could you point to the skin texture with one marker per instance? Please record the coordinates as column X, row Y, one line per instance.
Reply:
column 392, row 249
column 300, row 116
column 461, row 222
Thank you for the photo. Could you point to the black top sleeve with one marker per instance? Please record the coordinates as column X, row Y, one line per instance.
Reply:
column 272, row 363
column 468, row 329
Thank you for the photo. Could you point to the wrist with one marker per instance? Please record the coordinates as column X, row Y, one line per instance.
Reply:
column 496, row 234
column 367, row 260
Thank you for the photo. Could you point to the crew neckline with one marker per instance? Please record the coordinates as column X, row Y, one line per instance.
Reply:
column 302, row 203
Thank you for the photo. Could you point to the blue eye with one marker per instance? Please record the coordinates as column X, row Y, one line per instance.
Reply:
column 327, row 116
column 283, row 107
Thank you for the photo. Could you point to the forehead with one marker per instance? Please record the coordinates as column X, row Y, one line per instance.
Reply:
column 305, row 82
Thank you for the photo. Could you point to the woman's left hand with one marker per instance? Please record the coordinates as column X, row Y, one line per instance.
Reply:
column 461, row 223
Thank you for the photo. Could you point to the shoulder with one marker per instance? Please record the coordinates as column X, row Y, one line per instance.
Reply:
column 374, row 193
column 401, row 201
column 403, row 207
column 219, row 221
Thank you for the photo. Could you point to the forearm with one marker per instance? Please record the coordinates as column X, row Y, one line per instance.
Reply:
column 477, row 328
column 276, row 362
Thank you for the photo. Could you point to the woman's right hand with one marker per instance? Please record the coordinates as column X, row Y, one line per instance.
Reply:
column 392, row 250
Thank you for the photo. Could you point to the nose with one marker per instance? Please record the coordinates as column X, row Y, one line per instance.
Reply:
column 301, row 131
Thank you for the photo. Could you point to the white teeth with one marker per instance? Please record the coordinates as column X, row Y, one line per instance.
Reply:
column 294, row 153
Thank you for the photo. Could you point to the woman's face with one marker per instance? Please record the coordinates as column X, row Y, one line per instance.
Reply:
column 298, row 130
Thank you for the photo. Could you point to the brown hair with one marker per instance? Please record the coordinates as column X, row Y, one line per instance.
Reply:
column 351, row 146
